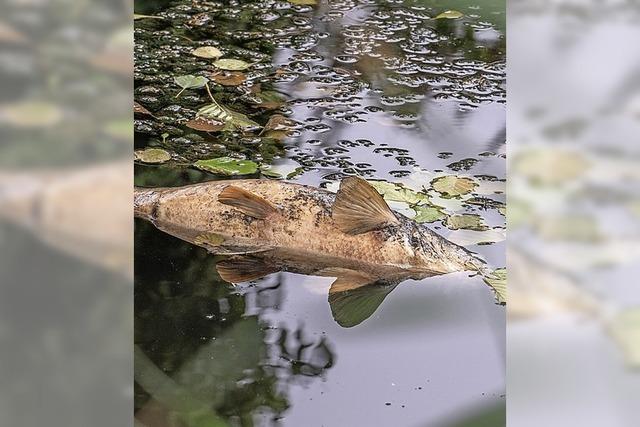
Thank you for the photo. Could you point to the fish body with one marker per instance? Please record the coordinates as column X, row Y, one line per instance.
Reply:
column 298, row 224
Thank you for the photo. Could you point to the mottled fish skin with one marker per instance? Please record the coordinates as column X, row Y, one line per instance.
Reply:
column 303, row 225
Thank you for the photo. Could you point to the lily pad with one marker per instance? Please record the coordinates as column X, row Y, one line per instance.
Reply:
column 466, row 221
column 227, row 166
column 550, row 166
column 207, row 52
column 398, row 193
column 137, row 16
column 152, row 155
column 498, row 282
column 282, row 171
column 229, row 78
column 232, row 119
column 450, row 14
column 31, row 114
column 270, row 99
column 453, row 186
column 473, row 237
column 304, row 2
column 190, row 82
column 278, row 127
column 428, row 213
column 205, row 124
column 230, row 64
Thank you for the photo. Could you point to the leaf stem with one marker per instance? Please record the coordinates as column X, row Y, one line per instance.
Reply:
column 209, row 91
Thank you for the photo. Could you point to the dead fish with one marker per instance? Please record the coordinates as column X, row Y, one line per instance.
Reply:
column 352, row 235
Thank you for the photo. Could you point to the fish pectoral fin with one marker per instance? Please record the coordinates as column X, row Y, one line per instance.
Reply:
column 240, row 269
column 353, row 303
column 359, row 208
column 247, row 202
column 346, row 279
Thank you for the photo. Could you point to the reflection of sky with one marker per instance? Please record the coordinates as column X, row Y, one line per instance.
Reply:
column 442, row 334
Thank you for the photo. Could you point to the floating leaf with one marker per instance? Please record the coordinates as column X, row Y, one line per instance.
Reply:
column 207, row 52
column 578, row 228
column 450, row 14
column 428, row 213
column 231, row 64
column 139, row 109
column 31, row 114
column 473, row 237
column 278, row 127
column 304, row 2
column 498, row 282
column 550, row 166
column 227, row 166
column 205, row 124
column 282, row 171
column 453, row 186
column 398, row 193
column 269, row 99
column 233, row 119
column 152, row 155
column 466, row 221
column 190, row 82
column 229, row 78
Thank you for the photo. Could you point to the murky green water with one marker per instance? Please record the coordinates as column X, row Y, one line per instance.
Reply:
column 372, row 88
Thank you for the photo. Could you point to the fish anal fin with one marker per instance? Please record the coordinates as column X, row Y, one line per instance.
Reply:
column 244, row 269
column 359, row 208
column 247, row 202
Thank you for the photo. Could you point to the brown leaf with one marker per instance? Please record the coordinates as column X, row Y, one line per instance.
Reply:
column 139, row 109
column 278, row 127
column 229, row 78
column 205, row 124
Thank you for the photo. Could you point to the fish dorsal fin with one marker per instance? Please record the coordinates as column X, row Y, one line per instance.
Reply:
column 244, row 269
column 360, row 208
column 249, row 203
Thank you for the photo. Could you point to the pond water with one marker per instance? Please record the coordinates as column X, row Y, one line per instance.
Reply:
column 377, row 89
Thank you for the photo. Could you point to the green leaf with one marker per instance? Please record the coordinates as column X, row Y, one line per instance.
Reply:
column 231, row 64
column 233, row 119
column 190, row 81
column 270, row 99
column 398, row 193
column 450, row 14
column 287, row 170
column 466, row 221
column 428, row 213
column 498, row 282
column 207, row 52
column 227, row 166
column 453, row 186
column 152, row 155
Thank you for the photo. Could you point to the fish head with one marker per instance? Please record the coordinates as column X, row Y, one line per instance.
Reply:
column 433, row 253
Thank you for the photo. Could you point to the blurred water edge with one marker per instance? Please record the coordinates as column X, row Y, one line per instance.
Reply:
column 573, row 208
column 66, row 241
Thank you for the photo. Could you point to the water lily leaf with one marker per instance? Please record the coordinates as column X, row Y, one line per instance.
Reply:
column 428, row 213
column 190, row 81
column 207, row 52
column 578, row 228
column 229, row 78
column 304, row 2
column 398, row 193
column 473, row 237
column 450, row 14
column 498, row 282
column 205, row 124
column 31, row 114
column 269, row 99
column 227, row 166
column 152, row 155
column 232, row 119
column 231, row 64
column 282, row 171
column 625, row 329
column 466, row 221
column 278, row 127
column 453, row 186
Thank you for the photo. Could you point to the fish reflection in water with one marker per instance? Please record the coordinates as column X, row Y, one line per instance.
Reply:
column 269, row 226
